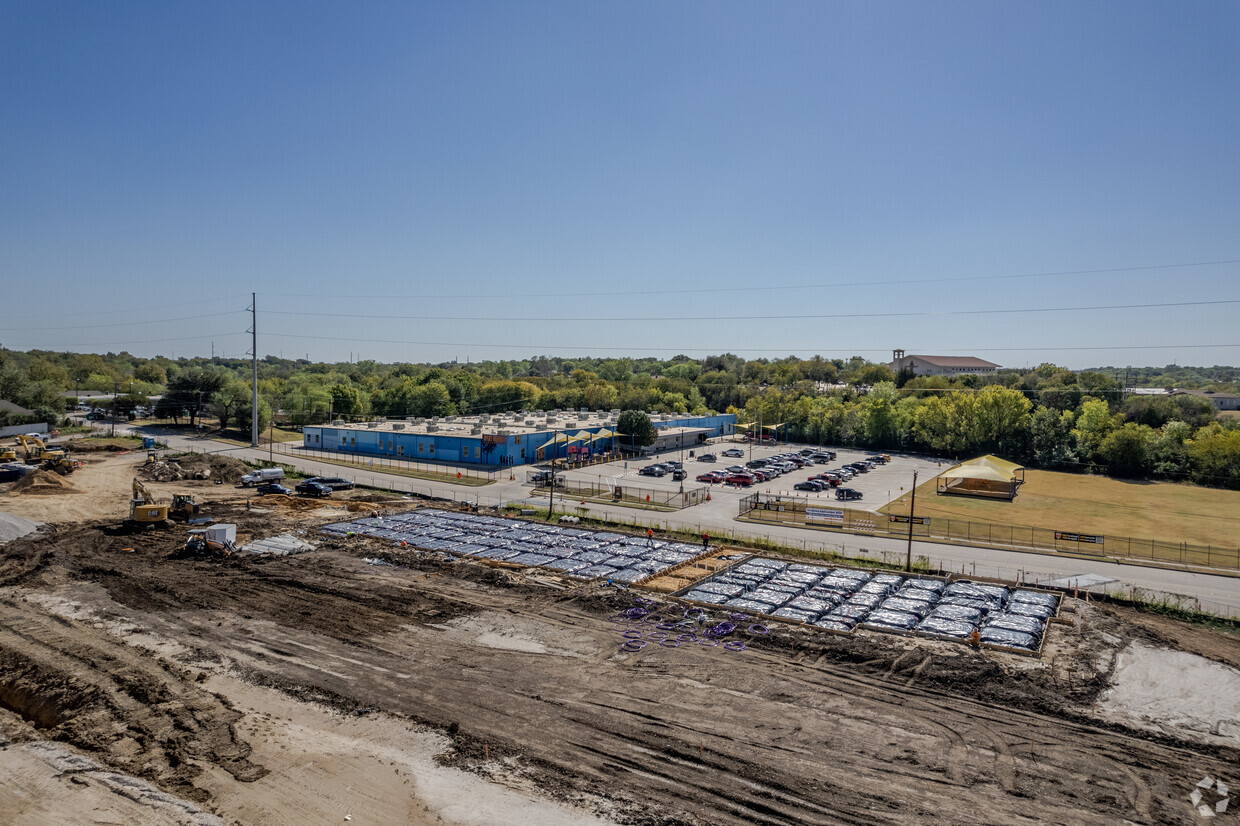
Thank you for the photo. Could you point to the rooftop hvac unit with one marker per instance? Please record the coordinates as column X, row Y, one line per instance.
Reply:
column 398, row 425
column 411, row 418
column 529, row 422
column 372, row 425
column 475, row 430
column 503, row 433
column 584, row 410
column 432, row 428
column 338, row 423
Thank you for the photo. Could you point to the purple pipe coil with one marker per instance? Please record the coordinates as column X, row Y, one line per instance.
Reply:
column 632, row 635
column 759, row 630
column 666, row 626
column 739, row 617
column 655, row 636
column 687, row 637
column 620, row 617
column 653, row 619
column 734, row 645
column 636, row 613
column 670, row 643
column 708, row 642
column 694, row 613
column 633, row 646
column 621, row 626
column 645, row 601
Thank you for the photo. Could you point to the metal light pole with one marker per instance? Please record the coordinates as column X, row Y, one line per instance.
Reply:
column 908, row 562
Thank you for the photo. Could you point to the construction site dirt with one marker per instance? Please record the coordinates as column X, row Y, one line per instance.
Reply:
column 298, row 689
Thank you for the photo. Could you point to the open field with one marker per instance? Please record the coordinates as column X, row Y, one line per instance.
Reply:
column 323, row 686
column 1097, row 505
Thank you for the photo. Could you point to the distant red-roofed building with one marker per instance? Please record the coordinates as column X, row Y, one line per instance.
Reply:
column 941, row 365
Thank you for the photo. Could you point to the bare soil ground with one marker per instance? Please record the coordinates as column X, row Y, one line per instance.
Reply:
column 313, row 687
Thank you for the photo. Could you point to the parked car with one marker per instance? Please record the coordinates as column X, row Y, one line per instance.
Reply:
column 814, row 485
column 653, row 470
column 273, row 487
column 735, row 469
column 878, row 458
column 707, row 457
column 310, row 487
column 755, row 463
column 734, row 451
column 711, row 477
column 847, row 493
column 679, row 475
column 545, row 477
column 743, row 479
column 332, row 482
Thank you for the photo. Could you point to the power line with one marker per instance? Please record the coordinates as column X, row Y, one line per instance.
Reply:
column 787, row 317
column 117, row 324
column 727, row 348
column 144, row 309
column 769, row 288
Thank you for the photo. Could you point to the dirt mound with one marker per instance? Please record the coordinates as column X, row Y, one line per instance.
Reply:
column 196, row 466
column 42, row 482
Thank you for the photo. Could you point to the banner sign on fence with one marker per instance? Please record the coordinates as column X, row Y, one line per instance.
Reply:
column 1078, row 537
column 917, row 520
column 824, row 514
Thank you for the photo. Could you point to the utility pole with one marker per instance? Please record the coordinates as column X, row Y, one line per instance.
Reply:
column 254, row 360
column 908, row 562
column 551, row 495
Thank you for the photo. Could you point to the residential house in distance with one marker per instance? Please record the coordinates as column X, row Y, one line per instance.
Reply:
column 1221, row 401
column 941, row 365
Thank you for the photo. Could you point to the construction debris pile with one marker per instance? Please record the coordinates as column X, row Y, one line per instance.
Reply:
column 195, row 466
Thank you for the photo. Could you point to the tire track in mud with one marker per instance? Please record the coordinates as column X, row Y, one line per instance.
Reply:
column 133, row 712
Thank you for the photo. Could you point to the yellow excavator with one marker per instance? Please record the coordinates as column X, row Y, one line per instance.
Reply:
column 8, row 454
column 144, row 509
column 47, row 458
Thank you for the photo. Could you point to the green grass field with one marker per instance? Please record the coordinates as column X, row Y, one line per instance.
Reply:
column 1097, row 505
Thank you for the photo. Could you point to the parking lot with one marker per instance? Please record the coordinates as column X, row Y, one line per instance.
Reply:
column 878, row 486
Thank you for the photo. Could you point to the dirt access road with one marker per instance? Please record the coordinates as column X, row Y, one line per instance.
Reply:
column 320, row 687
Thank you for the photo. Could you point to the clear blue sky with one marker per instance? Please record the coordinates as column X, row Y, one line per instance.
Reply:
column 641, row 178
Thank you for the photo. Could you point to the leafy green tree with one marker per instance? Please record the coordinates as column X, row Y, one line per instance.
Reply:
column 226, row 404
column 1126, row 450
column 1169, row 450
column 1214, row 454
column 1050, row 437
column 635, row 429
column 1094, row 423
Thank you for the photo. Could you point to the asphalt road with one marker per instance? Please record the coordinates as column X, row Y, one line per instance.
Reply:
column 1219, row 593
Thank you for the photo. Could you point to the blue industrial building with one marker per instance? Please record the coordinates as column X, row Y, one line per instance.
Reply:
column 510, row 439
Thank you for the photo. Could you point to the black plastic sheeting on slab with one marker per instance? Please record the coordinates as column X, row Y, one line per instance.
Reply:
column 576, row 553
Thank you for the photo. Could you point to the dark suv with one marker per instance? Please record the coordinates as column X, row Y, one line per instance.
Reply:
column 332, row 482
column 272, row 487
column 847, row 493
column 311, row 487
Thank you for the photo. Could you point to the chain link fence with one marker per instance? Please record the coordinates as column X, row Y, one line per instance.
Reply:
column 792, row 510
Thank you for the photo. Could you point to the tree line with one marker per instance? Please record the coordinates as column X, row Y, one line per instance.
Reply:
column 1048, row 416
